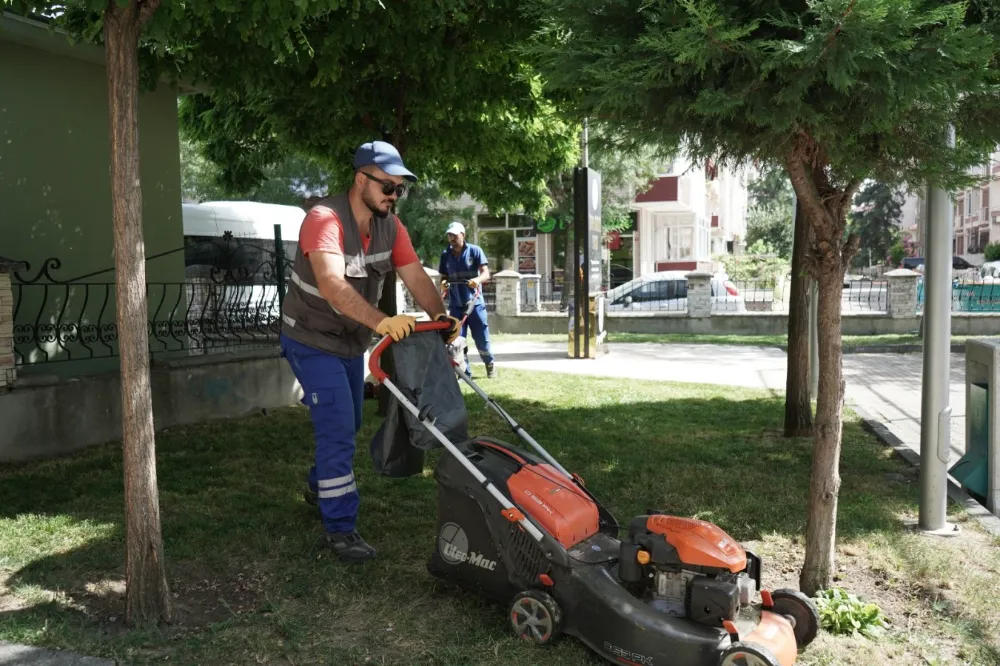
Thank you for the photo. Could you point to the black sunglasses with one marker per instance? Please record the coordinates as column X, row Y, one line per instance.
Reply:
column 387, row 186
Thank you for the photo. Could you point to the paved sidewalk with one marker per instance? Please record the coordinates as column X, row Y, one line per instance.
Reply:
column 731, row 365
column 22, row 655
column 886, row 385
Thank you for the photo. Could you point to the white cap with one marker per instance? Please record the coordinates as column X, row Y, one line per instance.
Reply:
column 455, row 228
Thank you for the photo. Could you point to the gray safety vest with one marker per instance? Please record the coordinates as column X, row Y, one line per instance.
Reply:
column 308, row 317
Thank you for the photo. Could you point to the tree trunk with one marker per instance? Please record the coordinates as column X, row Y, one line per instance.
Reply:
column 798, row 407
column 147, row 596
column 824, row 476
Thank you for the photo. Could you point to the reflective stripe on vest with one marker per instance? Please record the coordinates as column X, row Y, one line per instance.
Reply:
column 311, row 290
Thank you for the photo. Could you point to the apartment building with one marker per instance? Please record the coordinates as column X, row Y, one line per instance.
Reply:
column 976, row 221
column 692, row 212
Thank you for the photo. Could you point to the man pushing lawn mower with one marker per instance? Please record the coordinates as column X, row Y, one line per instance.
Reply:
column 348, row 243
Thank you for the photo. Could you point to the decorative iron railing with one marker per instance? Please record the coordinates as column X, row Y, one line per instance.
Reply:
column 230, row 298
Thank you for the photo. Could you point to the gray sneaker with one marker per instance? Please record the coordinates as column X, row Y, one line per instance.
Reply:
column 349, row 546
column 491, row 372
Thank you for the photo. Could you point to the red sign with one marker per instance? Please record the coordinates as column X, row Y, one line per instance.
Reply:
column 614, row 240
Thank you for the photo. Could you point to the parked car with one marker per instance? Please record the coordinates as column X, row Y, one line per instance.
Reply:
column 620, row 275
column 957, row 263
column 666, row 291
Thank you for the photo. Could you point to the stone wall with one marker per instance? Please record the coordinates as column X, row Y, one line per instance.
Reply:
column 902, row 297
column 8, row 371
column 49, row 416
column 756, row 323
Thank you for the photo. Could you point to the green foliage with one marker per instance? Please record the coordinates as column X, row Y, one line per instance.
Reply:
column 771, row 213
column 773, row 228
column 760, row 264
column 841, row 612
column 876, row 220
column 289, row 182
column 441, row 81
column 992, row 252
column 896, row 254
column 625, row 171
column 426, row 215
column 857, row 85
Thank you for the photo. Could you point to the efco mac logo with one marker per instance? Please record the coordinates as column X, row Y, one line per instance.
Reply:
column 627, row 655
column 453, row 544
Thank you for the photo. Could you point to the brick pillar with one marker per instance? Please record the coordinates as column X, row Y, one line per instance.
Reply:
column 902, row 293
column 405, row 303
column 508, row 293
column 530, row 292
column 8, row 372
column 699, row 294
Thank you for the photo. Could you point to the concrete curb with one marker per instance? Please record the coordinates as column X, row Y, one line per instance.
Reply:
column 897, row 349
column 958, row 348
column 981, row 514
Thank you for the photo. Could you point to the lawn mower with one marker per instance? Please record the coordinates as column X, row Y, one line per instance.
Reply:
column 517, row 527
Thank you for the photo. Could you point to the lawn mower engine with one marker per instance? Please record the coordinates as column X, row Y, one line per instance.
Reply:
column 688, row 568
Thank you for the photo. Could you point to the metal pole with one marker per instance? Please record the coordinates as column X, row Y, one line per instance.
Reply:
column 935, row 417
column 279, row 265
column 584, row 148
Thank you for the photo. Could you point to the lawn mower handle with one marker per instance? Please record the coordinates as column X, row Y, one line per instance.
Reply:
column 383, row 344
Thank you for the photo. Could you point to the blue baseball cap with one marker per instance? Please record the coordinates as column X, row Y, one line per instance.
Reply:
column 384, row 156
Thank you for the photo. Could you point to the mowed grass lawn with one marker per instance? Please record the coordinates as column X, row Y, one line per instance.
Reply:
column 252, row 586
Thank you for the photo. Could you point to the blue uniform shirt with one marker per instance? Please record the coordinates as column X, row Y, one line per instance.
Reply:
column 458, row 270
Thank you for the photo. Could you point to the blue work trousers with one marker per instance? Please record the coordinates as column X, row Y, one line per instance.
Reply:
column 333, row 388
column 480, row 332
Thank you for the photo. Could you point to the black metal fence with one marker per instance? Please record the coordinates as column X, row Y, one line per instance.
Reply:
column 230, row 298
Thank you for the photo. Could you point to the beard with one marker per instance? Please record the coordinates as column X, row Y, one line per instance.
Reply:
column 377, row 207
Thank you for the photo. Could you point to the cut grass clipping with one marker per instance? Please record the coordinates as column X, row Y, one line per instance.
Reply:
column 841, row 612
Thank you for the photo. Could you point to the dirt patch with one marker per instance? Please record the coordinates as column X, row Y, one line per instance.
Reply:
column 200, row 596
column 9, row 602
column 930, row 589
column 913, row 624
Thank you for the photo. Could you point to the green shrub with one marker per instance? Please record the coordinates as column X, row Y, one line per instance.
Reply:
column 841, row 612
column 992, row 251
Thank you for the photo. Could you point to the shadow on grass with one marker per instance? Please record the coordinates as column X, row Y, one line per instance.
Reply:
column 242, row 545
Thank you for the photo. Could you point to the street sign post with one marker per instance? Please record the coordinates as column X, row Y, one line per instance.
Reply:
column 588, row 319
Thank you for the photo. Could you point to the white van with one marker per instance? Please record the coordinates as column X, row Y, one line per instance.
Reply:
column 230, row 269
column 241, row 220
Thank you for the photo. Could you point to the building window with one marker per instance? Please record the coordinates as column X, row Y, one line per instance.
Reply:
column 680, row 238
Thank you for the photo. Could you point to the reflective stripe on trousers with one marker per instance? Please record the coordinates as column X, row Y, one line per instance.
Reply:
column 333, row 390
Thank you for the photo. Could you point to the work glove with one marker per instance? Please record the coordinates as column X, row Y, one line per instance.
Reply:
column 473, row 283
column 397, row 327
column 451, row 333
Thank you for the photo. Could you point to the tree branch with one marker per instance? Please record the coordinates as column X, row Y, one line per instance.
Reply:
column 805, row 189
column 836, row 31
column 849, row 191
column 851, row 247
column 146, row 10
